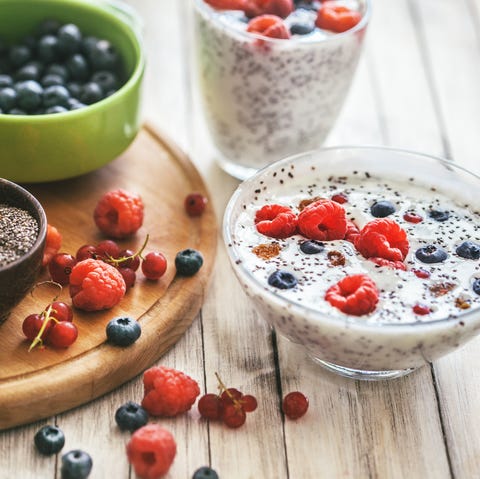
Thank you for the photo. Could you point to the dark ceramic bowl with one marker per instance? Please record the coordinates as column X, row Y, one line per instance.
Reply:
column 19, row 276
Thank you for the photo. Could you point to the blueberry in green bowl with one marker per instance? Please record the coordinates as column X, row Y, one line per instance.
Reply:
column 70, row 83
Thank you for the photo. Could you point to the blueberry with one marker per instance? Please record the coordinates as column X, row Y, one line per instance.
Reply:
column 30, row 41
column 60, row 70
column 103, row 56
column 75, row 89
column 468, row 250
column 282, row 280
column 302, row 28
column 439, row 215
column 205, row 473
column 19, row 55
column 107, row 80
column 55, row 109
column 28, row 72
column 431, row 254
column 77, row 105
column 49, row 440
column 76, row 464
column 47, row 48
column 131, row 416
column 51, row 79
column 8, row 99
column 476, row 286
column 312, row 247
column 382, row 208
column 29, row 95
column 78, row 67
column 5, row 81
column 48, row 26
column 188, row 262
column 91, row 93
column 123, row 331
column 88, row 44
column 69, row 39
column 55, row 95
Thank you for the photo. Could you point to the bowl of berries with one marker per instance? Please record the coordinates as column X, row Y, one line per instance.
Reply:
column 70, row 81
column 23, row 228
column 374, row 270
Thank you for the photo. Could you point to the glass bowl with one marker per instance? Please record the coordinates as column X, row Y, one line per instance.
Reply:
column 392, row 340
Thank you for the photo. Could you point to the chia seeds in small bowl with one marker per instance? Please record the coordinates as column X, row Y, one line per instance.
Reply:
column 23, row 229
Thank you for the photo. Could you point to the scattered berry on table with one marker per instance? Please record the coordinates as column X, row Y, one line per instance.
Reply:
column 312, row 247
column 276, row 221
column 107, row 249
column 123, row 331
column 323, row 220
column 154, row 265
column 355, row 294
column 49, row 440
column 131, row 416
column 269, row 26
column 87, row 251
column 119, row 213
column 32, row 324
column 282, row 280
column 195, row 204
column 439, row 215
column 60, row 267
column 431, row 254
column 249, row 402
column 412, row 217
column 209, row 406
column 294, row 405
column 61, row 311
column 168, row 392
column 233, row 416
column 62, row 335
column 336, row 18
column 96, row 285
column 205, row 472
column 129, row 276
column 188, row 262
column 382, row 208
column 468, row 250
column 151, row 450
column 52, row 244
column 76, row 464
column 383, row 238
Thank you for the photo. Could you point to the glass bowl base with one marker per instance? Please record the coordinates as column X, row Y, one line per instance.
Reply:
column 363, row 375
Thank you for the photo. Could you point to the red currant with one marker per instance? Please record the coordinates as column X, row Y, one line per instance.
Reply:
column 61, row 311
column 32, row 324
column 195, row 204
column 294, row 405
column 249, row 403
column 209, row 406
column 230, row 396
column 129, row 276
column 61, row 266
column 421, row 309
column 87, row 251
column 154, row 265
column 233, row 415
column 412, row 217
column 128, row 259
column 340, row 198
column 62, row 335
column 421, row 273
column 108, row 249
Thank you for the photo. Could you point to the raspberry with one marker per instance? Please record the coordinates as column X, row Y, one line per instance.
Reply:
column 95, row 285
column 276, row 221
column 336, row 18
column 168, row 392
column 356, row 294
column 119, row 213
column 281, row 8
column 269, row 26
column 340, row 198
column 52, row 244
column 323, row 220
column 228, row 4
column 383, row 238
column 151, row 450
column 389, row 264
column 352, row 231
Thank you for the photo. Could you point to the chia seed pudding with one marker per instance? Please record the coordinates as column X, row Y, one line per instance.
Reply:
column 267, row 98
column 18, row 233
column 396, row 335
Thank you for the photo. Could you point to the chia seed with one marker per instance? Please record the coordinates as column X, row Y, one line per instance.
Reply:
column 18, row 233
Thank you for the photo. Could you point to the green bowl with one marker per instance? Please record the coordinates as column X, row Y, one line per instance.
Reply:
column 52, row 147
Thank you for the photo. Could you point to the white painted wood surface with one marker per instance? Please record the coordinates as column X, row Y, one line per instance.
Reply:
column 417, row 87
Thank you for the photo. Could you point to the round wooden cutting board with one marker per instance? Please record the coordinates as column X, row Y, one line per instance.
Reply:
column 47, row 381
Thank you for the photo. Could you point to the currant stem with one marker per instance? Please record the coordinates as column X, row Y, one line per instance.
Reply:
column 224, row 388
column 117, row 261
column 38, row 338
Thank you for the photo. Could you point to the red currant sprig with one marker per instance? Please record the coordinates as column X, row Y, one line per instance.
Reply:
column 230, row 406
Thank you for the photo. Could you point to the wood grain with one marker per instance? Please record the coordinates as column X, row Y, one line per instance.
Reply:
column 163, row 176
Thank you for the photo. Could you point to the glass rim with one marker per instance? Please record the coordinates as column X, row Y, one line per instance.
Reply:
column 291, row 305
column 210, row 12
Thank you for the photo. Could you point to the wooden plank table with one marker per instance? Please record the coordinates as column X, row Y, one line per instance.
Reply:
column 417, row 87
